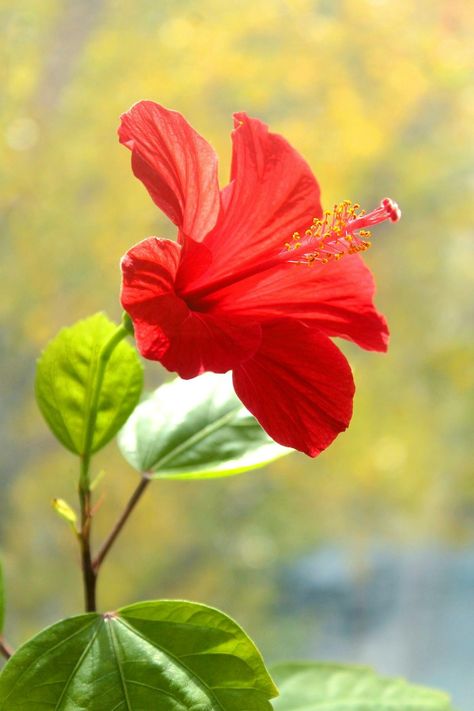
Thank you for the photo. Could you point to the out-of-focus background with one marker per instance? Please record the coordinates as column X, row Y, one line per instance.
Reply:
column 367, row 553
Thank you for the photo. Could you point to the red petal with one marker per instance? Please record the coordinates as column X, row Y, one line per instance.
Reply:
column 166, row 329
column 273, row 193
column 176, row 165
column 207, row 342
column 149, row 270
column 298, row 385
column 337, row 297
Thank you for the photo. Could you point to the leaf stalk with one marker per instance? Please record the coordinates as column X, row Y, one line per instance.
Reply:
column 120, row 523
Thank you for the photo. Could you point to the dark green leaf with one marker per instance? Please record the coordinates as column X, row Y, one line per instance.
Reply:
column 196, row 429
column 336, row 687
column 65, row 379
column 166, row 655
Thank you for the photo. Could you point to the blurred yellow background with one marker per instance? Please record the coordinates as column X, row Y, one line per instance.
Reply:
column 366, row 553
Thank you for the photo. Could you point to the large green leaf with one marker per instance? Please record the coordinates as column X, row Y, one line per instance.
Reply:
column 165, row 655
column 195, row 429
column 336, row 687
column 65, row 379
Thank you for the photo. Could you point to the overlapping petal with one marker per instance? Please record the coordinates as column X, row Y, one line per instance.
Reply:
column 298, row 385
column 272, row 193
column 166, row 329
column 177, row 166
column 205, row 342
column 336, row 297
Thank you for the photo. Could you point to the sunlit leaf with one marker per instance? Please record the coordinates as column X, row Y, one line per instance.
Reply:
column 166, row 655
column 336, row 687
column 196, row 428
column 65, row 379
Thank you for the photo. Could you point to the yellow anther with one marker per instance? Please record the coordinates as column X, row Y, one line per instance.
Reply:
column 334, row 235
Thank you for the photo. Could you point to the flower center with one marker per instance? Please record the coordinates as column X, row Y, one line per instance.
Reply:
column 338, row 233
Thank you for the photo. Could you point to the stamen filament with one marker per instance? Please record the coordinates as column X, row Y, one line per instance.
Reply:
column 339, row 232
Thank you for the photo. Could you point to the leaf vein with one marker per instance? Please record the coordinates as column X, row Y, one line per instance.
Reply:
column 113, row 642
column 200, row 682
column 46, row 651
column 75, row 668
column 197, row 437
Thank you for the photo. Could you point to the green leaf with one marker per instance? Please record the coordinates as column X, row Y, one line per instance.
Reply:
column 167, row 655
column 196, row 429
column 65, row 379
column 337, row 687
column 2, row 599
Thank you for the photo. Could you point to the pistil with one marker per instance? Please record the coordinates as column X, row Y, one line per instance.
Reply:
column 339, row 232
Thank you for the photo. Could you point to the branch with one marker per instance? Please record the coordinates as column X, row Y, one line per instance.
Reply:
column 89, row 573
column 120, row 523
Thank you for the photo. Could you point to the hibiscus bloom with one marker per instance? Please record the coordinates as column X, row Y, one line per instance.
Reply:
column 259, row 279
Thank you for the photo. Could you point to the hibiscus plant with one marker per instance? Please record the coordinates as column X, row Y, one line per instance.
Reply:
column 242, row 307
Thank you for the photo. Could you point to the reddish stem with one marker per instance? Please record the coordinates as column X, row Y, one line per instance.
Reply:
column 120, row 523
column 5, row 649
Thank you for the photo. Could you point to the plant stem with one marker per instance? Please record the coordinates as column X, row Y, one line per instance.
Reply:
column 5, row 649
column 119, row 524
column 89, row 574
column 104, row 357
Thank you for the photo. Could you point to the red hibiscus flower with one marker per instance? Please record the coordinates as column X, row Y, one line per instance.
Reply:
column 255, row 282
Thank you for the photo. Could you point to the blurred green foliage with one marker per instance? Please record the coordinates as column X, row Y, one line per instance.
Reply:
column 375, row 94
